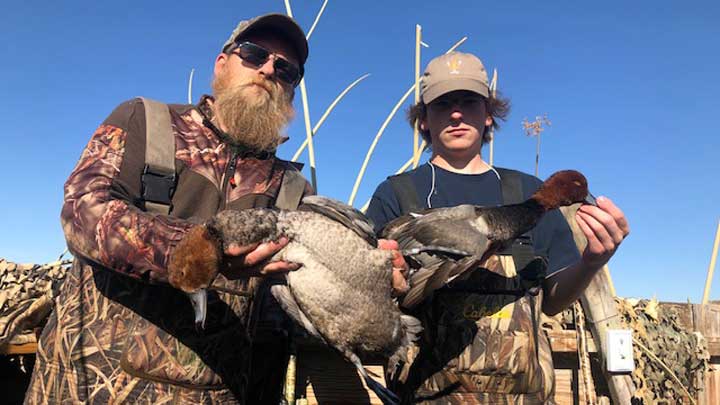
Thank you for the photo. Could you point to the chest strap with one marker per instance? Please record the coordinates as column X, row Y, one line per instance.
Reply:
column 521, row 249
column 158, row 178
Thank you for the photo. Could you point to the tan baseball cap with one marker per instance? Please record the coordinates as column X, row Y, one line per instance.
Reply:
column 453, row 71
column 280, row 23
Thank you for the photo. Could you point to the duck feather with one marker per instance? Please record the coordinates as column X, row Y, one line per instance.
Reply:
column 342, row 213
column 287, row 302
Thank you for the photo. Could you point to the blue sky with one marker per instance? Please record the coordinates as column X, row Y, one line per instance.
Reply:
column 630, row 87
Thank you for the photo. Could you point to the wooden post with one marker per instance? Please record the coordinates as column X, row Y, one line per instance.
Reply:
column 601, row 313
column 711, row 268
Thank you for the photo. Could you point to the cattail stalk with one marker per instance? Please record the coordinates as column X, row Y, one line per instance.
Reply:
column 537, row 155
column 711, row 268
column 317, row 18
column 402, row 168
column 190, row 80
column 306, row 111
column 493, row 91
column 326, row 113
column 416, row 142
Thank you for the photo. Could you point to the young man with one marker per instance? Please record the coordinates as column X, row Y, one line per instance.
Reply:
column 120, row 332
column 482, row 342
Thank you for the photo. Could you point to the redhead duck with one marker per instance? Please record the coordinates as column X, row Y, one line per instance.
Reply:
column 443, row 243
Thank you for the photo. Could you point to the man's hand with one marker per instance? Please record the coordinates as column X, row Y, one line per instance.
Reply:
column 605, row 227
column 252, row 260
column 400, row 268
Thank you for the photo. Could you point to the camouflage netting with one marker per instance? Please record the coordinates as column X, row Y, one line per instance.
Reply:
column 661, row 345
column 26, row 298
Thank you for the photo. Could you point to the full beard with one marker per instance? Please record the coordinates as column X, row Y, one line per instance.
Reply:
column 253, row 113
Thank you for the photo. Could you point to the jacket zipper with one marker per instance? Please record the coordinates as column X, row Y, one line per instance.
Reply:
column 229, row 174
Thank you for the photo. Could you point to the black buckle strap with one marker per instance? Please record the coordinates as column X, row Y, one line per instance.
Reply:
column 158, row 186
column 522, row 240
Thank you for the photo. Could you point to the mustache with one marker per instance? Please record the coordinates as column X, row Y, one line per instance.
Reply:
column 271, row 88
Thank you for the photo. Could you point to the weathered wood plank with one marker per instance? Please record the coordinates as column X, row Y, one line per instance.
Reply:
column 323, row 376
column 712, row 385
column 706, row 319
column 565, row 341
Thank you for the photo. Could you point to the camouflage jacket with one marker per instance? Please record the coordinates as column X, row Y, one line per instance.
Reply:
column 119, row 332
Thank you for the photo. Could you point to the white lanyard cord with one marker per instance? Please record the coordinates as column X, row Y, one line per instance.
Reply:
column 432, row 184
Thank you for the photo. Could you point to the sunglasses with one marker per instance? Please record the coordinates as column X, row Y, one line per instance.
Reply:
column 257, row 56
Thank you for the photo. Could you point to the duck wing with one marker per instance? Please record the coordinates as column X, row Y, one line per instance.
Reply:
column 342, row 213
column 450, row 229
column 430, row 277
column 441, row 244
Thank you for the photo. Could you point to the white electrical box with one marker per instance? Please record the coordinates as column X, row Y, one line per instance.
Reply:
column 619, row 351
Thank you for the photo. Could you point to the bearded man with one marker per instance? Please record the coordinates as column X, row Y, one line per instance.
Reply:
column 120, row 331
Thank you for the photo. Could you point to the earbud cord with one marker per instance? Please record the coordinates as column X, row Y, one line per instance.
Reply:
column 432, row 184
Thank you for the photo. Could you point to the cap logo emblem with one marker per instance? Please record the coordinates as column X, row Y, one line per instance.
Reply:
column 454, row 65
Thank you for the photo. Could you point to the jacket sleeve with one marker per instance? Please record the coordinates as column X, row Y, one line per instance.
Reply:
column 102, row 225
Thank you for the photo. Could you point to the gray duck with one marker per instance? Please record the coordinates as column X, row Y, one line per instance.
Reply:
column 342, row 292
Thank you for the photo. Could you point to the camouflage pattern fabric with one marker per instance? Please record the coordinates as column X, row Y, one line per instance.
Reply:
column 26, row 298
column 662, row 344
column 482, row 343
column 119, row 333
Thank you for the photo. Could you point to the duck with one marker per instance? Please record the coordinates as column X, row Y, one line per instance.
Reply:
column 341, row 294
column 443, row 244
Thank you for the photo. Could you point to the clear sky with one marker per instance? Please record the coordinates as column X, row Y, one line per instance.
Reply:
column 631, row 89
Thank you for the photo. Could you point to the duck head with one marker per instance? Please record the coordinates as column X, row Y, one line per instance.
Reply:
column 194, row 264
column 564, row 188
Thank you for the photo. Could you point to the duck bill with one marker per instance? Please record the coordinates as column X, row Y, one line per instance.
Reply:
column 590, row 199
column 199, row 304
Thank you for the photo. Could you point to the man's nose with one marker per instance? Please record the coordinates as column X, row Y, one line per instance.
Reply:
column 456, row 113
column 268, row 68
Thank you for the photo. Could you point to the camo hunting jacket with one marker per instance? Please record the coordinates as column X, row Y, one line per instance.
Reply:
column 119, row 332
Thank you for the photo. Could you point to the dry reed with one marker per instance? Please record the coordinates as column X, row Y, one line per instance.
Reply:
column 493, row 90
column 326, row 113
column 382, row 129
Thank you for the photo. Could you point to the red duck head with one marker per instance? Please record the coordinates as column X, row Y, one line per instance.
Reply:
column 564, row 188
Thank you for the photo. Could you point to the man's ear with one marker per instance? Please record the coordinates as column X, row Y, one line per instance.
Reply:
column 488, row 120
column 220, row 62
column 423, row 125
